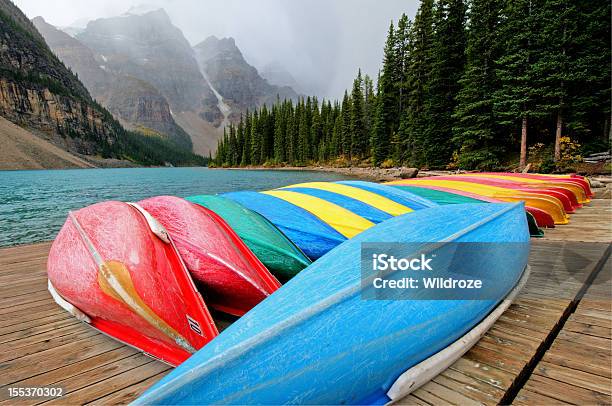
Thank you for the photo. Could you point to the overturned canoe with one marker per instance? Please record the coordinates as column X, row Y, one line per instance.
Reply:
column 301, row 345
column 313, row 236
column 447, row 197
column 283, row 258
column 574, row 185
column 114, row 266
column 542, row 218
column 567, row 198
column 573, row 178
column 549, row 204
column 230, row 276
column 414, row 201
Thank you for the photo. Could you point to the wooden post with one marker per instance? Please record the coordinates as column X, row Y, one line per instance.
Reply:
column 523, row 160
column 558, row 137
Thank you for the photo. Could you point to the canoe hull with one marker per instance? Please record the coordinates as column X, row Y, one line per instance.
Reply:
column 101, row 263
column 231, row 277
column 304, row 348
column 549, row 204
column 283, row 258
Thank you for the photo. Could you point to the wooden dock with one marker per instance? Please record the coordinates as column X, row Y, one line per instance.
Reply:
column 552, row 346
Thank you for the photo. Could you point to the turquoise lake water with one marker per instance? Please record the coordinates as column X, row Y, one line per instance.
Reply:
column 34, row 204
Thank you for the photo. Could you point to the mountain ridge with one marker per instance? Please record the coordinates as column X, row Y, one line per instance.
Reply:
column 240, row 84
column 135, row 103
column 38, row 92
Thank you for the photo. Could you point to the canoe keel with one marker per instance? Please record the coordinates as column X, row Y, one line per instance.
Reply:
column 428, row 369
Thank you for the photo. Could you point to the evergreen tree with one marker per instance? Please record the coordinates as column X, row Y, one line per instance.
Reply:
column 280, row 131
column 589, row 92
column 448, row 60
column 233, row 156
column 516, row 100
column 246, row 148
column 256, row 140
column 359, row 136
column 369, row 103
column 315, row 129
column 346, row 126
column 415, row 123
column 475, row 130
column 387, row 102
column 401, row 63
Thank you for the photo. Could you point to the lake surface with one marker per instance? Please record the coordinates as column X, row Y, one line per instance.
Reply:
column 34, row 204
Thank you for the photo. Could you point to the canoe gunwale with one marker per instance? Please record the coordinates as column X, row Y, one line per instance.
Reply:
column 426, row 370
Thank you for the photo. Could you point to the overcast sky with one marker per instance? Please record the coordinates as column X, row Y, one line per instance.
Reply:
column 321, row 43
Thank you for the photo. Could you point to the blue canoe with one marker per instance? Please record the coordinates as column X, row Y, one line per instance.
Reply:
column 406, row 198
column 318, row 341
column 361, row 209
column 311, row 235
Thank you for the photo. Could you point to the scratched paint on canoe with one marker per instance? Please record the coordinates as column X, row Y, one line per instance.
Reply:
column 281, row 256
column 306, row 328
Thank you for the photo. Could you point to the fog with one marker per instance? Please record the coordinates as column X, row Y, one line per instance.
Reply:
column 321, row 43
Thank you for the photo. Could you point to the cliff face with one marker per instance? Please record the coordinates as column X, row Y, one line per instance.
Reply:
column 76, row 56
column 239, row 83
column 136, row 103
column 140, row 106
column 38, row 91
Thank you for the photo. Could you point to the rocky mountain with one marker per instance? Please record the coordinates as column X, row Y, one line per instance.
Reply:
column 36, row 89
column 150, row 48
column 237, row 82
column 39, row 93
column 135, row 103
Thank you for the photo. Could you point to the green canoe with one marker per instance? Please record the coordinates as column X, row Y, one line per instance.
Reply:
column 266, row 241
column 442, row 197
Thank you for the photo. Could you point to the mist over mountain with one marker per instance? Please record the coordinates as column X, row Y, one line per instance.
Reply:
column 135, row 103
column 320, row 43
column 48, row 116
column 237, row 82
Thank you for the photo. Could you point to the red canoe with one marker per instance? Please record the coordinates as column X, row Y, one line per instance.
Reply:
column 542, row 218
column 573, row 178
column 566, row 197
column 231, row 277
column 114, row 266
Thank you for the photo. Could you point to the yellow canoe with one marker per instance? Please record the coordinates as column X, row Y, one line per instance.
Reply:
column 576, row 189
column 344, row 221
column 549, row 204
column 380, row 202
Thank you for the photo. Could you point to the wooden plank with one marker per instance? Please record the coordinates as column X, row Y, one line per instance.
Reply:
column 52, row 342
column 52, row 376
column 45, row 336
column 476, row 388
column 587, row 329
column 529, row 398
column 446, row 394
column 22, row 368
column 585, row 339
column 580, row 357
column 113, row 384
column 574, row 377
column 126, row 395
column 565, row 392
column 21, row 334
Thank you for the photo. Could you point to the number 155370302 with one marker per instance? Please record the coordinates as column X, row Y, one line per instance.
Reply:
column 35, row 391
